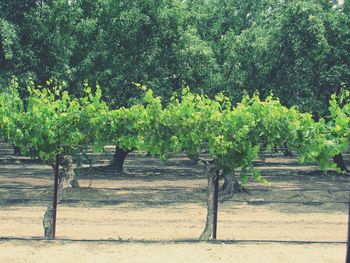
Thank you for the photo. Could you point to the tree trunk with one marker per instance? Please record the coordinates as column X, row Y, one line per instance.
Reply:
column 339, row 160
column 118, row 159
column 16, row 150
column 286, row 151
column 231, row 186
column 67, row 175
column 48, row 222
column 211, row 171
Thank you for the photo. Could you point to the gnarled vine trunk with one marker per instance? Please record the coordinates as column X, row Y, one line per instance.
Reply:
column 67, row 175
column 208, row 233
column 65, row 179
column 48, row 222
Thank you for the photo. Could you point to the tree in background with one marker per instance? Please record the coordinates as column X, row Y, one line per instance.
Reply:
column 38, row 39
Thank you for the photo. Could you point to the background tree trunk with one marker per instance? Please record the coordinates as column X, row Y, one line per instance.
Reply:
column 208, row 230
column 67, row 175
column 16, row 150
column 339, row 160
column 231, row 186
column 118, row 159
column 286, row 151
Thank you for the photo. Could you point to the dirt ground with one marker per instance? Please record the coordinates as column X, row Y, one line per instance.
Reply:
column 15, row 251
column 143, row 215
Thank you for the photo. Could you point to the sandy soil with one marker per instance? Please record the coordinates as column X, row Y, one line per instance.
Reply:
column 158, row 202
column 14, row 251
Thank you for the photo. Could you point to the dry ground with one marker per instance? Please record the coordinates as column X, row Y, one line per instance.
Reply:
column 140, row 213
column 67, row 252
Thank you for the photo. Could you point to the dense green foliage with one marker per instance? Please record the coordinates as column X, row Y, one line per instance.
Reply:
column 55, row 122
column 11, row 107
column 339, row 124
column 299, row 49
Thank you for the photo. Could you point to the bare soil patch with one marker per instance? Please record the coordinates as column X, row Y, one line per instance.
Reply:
column 69, row 252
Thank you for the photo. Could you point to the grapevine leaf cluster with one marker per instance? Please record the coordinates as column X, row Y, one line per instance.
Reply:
column 55, row 122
